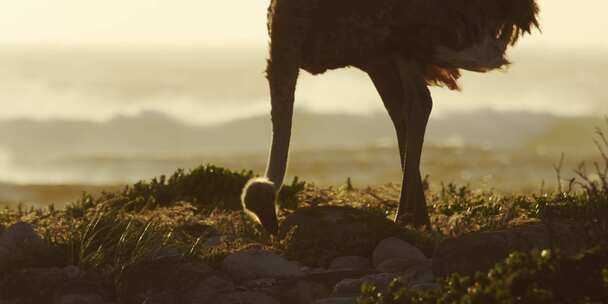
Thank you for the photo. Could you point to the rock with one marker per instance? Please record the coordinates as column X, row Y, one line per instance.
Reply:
column 214, row 284
column 79, row 299
column 171, row 280
column 73, row 272
column 36, row 284
column 244, row 297
column 418, row 274
column 19, row 233
column 257, row 284
column 314, row 286
column 425, row 286
column 20, row 246
column 317, row 235
column 78, row 290
column 401, row 264
column 394, row 248
column 340, row 300
column 479, row 251
column 350, row 262
column 303, row 292
column 254, row 264
column 352, row 287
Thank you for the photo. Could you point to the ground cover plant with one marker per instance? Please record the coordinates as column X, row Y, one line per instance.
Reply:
column 540, row 277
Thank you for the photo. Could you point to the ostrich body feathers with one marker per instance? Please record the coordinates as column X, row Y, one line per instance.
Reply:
column 444, row 36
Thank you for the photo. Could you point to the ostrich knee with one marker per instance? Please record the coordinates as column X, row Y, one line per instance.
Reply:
column 258, row 201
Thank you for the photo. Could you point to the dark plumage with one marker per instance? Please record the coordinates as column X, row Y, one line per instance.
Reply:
column 404, row 46
column 347, row 32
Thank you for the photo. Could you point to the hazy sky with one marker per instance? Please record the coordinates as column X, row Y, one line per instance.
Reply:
column 199, row 86
column 225, row 22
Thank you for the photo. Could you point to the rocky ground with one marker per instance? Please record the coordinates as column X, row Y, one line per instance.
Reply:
column 183, row 239
column 256, row 274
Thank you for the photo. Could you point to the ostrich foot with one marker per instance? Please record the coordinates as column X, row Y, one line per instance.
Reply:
column 258, row 200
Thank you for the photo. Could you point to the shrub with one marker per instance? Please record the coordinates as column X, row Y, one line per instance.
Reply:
column 542, row 277
column 206, row 187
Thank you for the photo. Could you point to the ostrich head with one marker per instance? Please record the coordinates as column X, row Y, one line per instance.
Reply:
column 258, row 200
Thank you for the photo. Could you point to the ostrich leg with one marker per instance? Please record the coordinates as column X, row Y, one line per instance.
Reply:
column 400, row 86
column 419, row 104
column 385, row 76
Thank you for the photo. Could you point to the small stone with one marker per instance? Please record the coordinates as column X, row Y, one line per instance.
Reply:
column 245, row 297
column 394, row 248
column 338, row 300
column 350, row 262
column 480, row 251
column 254, row 264
column 214, row 284
column 401, row 264
column 79, row 291
column 419, row 274
column 34, row 283
column 20, row 244
column 260, row 283
column 352, row 287
column 79, row 299
column 170, row 280
column 73, row 272
column 19, row 233
column 425, row 286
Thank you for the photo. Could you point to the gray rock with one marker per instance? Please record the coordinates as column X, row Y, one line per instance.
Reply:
column 337, row 300
column 352, row 287
column 244, row 297
column 425, row 286
column 419, row 274
column 79, row 299
column 317, row 235
column 18, row 233
column 394, row 248
column 263, row 283
column 39, row 283
column 480, row 251
column 350, row 262
column 80, row 289
column 20, row 246
column 171, row 280
column 303, row 291
column 401, row 264
column 73, row 272
column 213, row 284
column 256, row 264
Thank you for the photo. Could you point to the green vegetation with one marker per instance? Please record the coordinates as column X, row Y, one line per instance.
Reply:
column 207, row 187
column 541, row 277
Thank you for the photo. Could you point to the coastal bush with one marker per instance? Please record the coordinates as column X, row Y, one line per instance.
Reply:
column 540, row 277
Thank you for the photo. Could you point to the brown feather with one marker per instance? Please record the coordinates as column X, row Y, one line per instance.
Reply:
column 348, row 32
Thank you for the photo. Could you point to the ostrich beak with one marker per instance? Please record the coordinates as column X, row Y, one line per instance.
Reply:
column 268, row 219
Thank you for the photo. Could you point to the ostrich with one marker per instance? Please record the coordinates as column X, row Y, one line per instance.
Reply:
column 404, row 46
